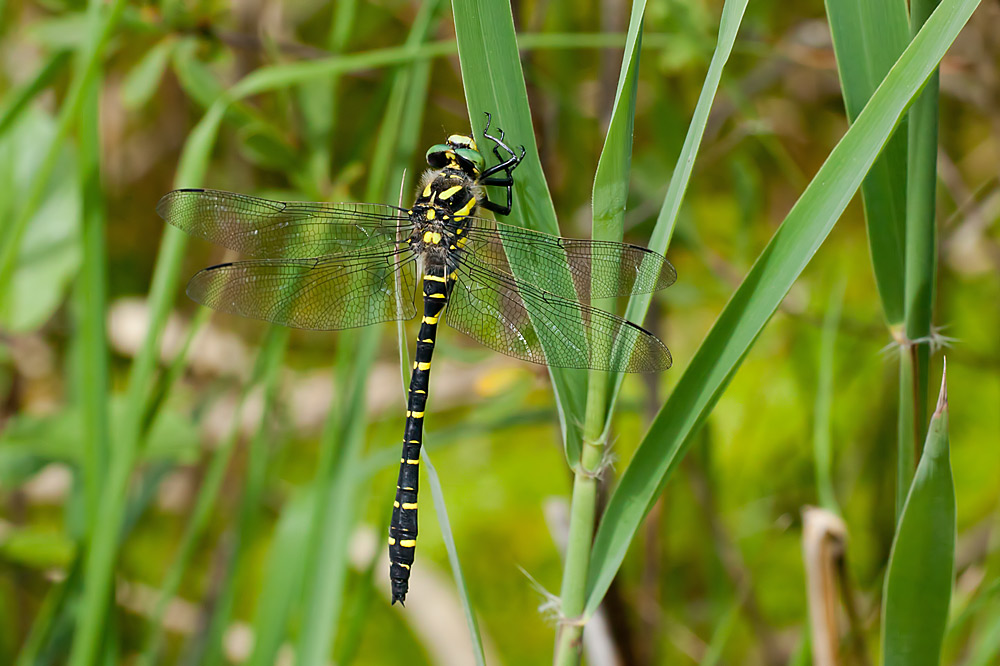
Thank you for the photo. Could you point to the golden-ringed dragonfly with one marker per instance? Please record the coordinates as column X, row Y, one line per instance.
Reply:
column 333, row 266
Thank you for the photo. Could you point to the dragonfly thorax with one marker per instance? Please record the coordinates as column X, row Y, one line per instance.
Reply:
column 446, row 199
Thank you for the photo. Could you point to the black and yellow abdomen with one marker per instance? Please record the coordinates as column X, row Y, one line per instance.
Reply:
column 403, row 528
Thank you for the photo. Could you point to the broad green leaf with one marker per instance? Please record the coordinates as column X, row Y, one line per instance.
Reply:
column 921, row 565
column 868, row 36
column 494, row 83
column 751, row 306
column 51, row 250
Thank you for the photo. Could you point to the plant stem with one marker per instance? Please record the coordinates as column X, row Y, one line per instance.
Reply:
column 583, row 509
column 920, row 268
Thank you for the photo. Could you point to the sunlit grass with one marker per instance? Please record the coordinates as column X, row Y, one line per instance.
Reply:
column 277, row 516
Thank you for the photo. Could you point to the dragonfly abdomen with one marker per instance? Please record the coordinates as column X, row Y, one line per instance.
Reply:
column 403, row 528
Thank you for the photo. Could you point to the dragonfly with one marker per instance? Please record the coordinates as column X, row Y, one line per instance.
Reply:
column 330, row 266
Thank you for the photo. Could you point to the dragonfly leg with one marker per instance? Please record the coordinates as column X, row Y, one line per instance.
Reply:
column 506, row 166
column 507, row 183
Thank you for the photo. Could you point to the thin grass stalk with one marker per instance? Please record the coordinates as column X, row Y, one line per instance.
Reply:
column 335, row 502
column 55, row 609
column 822, row 445
column 282, row 578
column 178, row 365
column 324, row 596
column 921, row 255
column 207, row 498
column 258, row 459
column 17, row 100
column 906, row 420
column 914, row 336
column 666, row 220
column 582, row 517
column 441, row 509
column 318, row 100
column 94, row 384
column 346, row 649
column 104, row 540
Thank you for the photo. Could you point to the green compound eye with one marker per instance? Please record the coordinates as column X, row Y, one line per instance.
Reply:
column 436, row 155
column 472, row 156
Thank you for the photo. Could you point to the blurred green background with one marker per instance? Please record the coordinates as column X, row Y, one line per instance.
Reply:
column 721, row 551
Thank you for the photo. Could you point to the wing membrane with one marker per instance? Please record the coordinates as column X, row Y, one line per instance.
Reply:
column 280, row 229
column 325, row 293
column 526, row 322
column 573, row 268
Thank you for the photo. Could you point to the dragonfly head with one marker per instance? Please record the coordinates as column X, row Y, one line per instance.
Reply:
column 460, row 152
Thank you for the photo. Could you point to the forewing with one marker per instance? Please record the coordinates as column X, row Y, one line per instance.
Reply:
column 526, row 322
column 280, row 229
column 325, row 293
column 575, row 268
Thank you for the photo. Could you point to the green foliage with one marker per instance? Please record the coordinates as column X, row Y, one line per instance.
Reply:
column 921, row 567
column 753, row 304
column 50, row 250
column 173, row 544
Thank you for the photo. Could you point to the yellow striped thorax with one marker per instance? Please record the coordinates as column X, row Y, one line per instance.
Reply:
column 447, row 196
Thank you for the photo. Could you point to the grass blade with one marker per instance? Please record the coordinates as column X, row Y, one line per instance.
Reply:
column 336, row 502
column 921, row 240
column 456, row 566
column 324, row 597
column 921, row 565
column 822, row 446
column 757, row 298
column 281, row 581
column 609, row 198
column 868, row 36
column 101, row 24
column 93, row 388
column 494, row 83
column 104, row 540
column 258, row 464
column 268, row 359
column 144, row 78
column 666, row 221
column 17, row 100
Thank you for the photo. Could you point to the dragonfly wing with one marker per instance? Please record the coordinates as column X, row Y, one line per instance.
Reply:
column 324, row 293
column 526, row 322
column 280, row 229
column 575, row 268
